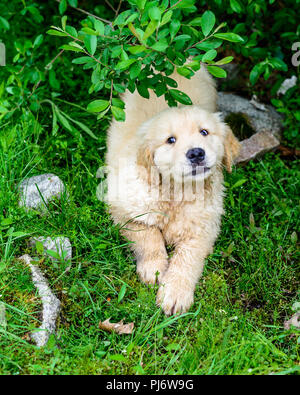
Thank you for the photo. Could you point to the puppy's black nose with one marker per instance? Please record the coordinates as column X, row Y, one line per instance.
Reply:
column 195, row 155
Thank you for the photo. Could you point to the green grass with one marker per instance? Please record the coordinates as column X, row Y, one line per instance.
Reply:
column 248, row 287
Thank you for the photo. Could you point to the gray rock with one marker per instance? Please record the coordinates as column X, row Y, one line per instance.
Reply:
column 286, row 85
column 31, row 189
column 294, row 321
column 3, row 322
column 60, row 245
column 263, row 119
column 51, row 305
column 256, row 145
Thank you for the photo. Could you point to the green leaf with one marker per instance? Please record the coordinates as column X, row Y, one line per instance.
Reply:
column 90, row 43
column 72, row 31
column 82, row 60
column 161, row 45
column 4, row 23
column 137, row 49
column 90, row 31
column 135, row 70
column 71, row 48
column 184, row 4
column 150, row 29
column 143, row 90
column 196, row 21
column 131, row 18
column 235, row 6
column 56, row 33
column 117, row 357
column 226, row 60
column 121, row 18
column 182, row 37
column 55, row 84
column 125, row 64
column 181, row 97
column 154, row 14
column 7, row 221
column 38, row 41
column 116, row 51
column 166, row 17
column 278, row 64
column 97, row 105
column 119, row 88
column 118, row 113
column 82, row 126
column 233, row 37
column 99, row 27
column 209, row 44
column 122, row 293
column 171, row 82
column 63, row 120
column 118, row 102
column 208, row 21
column 184, row 71
column 255, row 73
column 210, row 55
column 64, row 21
column 174, row 27
column 239, row 183
column 53, row 254
column 62, row 6
column 141, row 4
column 19, row 234
column 217, row 71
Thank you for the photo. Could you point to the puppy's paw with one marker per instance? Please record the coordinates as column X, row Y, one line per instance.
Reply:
column 151, row 271
column 174, row 296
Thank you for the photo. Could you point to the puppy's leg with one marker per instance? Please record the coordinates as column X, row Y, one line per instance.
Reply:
column 176, row 293
column 149, row 248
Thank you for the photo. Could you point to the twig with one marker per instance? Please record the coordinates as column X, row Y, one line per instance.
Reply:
column 111, row 90
column 118, row 9
column 47, row 67
column 110, row 5
column 88, row 13
column 175, row 4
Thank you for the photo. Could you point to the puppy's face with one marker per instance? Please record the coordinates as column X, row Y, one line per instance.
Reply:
column 186, row 143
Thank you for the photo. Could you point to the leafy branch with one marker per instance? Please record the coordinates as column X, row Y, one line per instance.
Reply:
column 142, row 47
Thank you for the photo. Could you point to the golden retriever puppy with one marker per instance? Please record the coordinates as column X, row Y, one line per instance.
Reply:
column 165, row 185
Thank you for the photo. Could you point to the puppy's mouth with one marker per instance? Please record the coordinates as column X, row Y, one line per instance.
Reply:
column 197, row 169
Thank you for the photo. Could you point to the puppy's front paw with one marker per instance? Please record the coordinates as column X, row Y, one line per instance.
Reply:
column 151, row 271
column 174, row 295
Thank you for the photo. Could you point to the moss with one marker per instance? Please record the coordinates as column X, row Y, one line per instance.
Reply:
column 240, row 125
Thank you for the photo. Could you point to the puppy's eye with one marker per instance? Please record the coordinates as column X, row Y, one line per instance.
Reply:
column 171, row 140
column 204, row 132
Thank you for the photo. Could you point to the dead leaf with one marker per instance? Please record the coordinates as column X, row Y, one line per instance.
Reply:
column 119, row 327
column 294, row 321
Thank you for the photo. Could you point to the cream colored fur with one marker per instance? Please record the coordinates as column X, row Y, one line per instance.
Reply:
column 146, row 173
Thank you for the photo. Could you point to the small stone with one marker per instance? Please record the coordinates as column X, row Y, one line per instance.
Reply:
column 51, row 305
column 262, row 118
column 294, row 321
column 254, row 101
column 31, row 189
column 60, row 245
column 256, row 146
column 287, row 84
column 3, row 322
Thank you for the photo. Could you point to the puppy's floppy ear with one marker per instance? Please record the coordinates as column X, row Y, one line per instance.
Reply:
column 145, row 160
column 231, row 149
column 145, row 157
